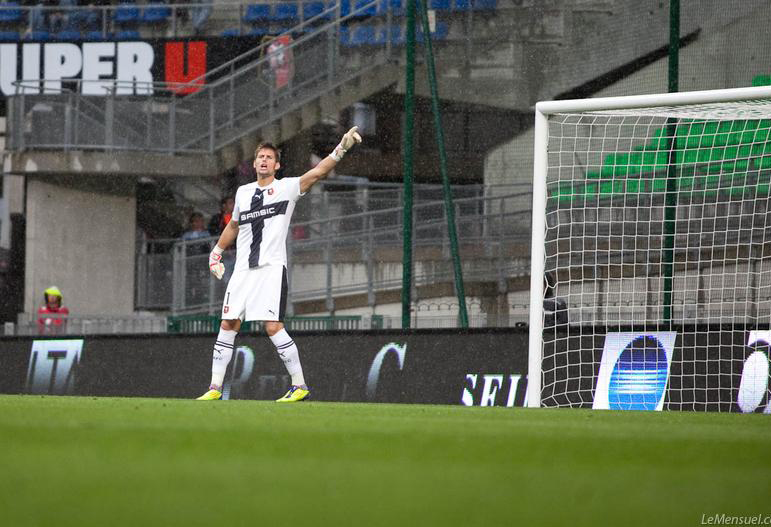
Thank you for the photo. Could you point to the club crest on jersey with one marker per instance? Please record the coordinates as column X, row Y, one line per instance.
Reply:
column 226, row 309
column 270, row 192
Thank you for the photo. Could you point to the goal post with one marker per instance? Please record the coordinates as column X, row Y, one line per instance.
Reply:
column 650, row 277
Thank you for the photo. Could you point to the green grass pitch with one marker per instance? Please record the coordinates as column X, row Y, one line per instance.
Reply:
column 111, row 462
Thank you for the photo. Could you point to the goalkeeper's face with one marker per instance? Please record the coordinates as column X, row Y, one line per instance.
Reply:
column 266, row 164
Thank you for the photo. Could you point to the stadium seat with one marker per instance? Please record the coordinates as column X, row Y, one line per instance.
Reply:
column 397, row 7
column 312, row 9
column 345, row 36
column 96, row 35
column 440, row 32
column 67, row 34
column 38, row 35
column 230, row 32
column 9, row 36
column 461, row 5
column 345, row 7
column 257, row 13
column 362, row 9
column 285, row 12
column 83, row 19
column 481, row 5
column 259, row 31
column 439, row 5
column 381, row 35
column 126, row 13
column 128, row 34
column 10, row 13
column 363, row 36
column 154, row 14
column 396, row 35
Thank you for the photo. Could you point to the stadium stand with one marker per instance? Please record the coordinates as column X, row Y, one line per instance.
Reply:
column 484, row 5
column 312, row 9
column 362, row 36
column 156, row 14
column 38, row 36
column 365, row 8
column 67, row 34
column 97, row 35
column 439, row 5
column 128, row 34
column 724, row 147
column 10, row 13
column 396, row 6
column 285, row 13
column 127, row 14
column 715, row 155
column 69, row 20
column 257, row 13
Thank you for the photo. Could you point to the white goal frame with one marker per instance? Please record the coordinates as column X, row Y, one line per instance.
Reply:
column 540, row 167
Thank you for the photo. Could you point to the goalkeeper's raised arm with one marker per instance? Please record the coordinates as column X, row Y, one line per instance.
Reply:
column 325, row 166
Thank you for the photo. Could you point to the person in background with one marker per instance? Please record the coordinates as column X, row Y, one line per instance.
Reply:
column 555, row 308
column 196, row 245
column 220, row 220
column 194, row 232
column 52, row 316
column 199, row 16
column 38, row 19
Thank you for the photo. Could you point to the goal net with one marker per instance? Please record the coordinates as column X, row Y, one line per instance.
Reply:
column 651, row 252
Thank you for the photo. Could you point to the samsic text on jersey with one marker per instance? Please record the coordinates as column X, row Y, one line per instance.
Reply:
column 264, row 215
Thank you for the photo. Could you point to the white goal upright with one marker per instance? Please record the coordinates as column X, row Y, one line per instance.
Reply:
column 651, row 252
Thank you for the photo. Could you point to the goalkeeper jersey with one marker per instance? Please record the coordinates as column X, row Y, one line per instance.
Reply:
column 263, row 215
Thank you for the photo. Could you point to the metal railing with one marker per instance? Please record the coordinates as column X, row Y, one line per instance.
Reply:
column 437, row 316
column 229, row 102
column 352, row 246
column 53, row 325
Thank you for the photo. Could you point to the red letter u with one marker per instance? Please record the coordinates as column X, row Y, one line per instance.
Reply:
column 175, row 65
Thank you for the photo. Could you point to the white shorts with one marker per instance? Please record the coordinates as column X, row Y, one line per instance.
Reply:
column 256, row 294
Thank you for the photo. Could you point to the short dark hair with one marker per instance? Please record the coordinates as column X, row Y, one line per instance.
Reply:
column 270, row 146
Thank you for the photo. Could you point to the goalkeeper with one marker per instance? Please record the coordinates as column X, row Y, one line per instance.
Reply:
column 257, row 289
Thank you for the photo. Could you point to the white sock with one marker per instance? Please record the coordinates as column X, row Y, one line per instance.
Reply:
column 289, row 353
column 223, row 351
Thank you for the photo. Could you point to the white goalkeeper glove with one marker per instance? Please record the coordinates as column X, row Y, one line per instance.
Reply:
column 216, row 266
column 350, row 139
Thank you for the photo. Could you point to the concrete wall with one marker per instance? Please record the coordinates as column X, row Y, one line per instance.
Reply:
column 12, row 200
column 729, row 57
column 83, row 241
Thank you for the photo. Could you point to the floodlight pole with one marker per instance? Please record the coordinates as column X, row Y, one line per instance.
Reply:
column 448, row 203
